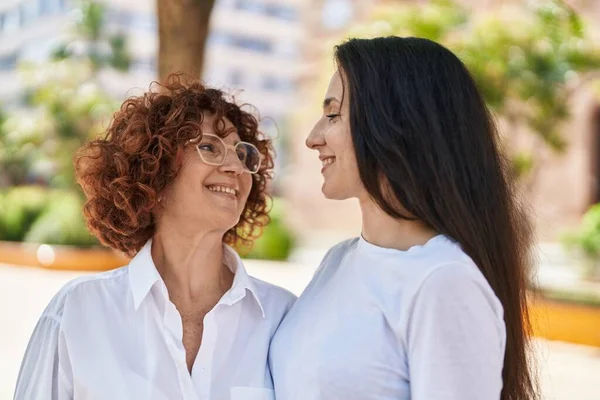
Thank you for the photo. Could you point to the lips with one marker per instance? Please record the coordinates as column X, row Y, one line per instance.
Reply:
column 327, row 162
column 223, row 189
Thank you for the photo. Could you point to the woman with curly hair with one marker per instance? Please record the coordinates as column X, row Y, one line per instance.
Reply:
column 178, row 178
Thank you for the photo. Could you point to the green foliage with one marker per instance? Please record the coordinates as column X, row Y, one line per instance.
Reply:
column 580, row 297
column 586, row 241
column 101, row 49
column 119, row 57
column 527, row 75
column 586, row 238
column 277, row 240
column 434, row 20
column 91, row 24
column 20, row 207
column 62, row 222
column 19, row 148
column 522, row 164
column 41, row 215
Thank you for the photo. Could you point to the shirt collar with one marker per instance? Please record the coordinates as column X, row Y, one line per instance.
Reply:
column 241, row 280
column 143, row 275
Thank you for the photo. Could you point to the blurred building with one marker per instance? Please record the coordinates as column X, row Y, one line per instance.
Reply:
column 254, row 45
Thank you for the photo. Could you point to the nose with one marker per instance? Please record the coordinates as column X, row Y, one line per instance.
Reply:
column 232, row 164
column 315, row 137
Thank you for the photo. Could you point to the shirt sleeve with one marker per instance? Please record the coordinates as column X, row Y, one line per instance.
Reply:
column 45, row 370
column 455, row 337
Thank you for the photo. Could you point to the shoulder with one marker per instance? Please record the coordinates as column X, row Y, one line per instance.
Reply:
column 341, row 248
column 441, row 263
column 452, row 276
column 274, row 299
column 80, row 291
column 455, row 287
column 336, row 254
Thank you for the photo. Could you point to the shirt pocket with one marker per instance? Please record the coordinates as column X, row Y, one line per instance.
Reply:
column 251, row 393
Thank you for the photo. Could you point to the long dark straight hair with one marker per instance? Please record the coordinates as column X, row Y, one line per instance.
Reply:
column 418, row 121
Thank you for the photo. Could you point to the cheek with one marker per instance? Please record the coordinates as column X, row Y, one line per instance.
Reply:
column 191, row 177
column 337, row 136
column 246, row 185
column 339, row 140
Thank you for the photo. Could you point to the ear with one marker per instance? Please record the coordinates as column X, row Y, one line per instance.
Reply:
column 180, row 156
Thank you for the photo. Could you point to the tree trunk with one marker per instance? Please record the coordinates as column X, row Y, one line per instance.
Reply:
column 182, row 33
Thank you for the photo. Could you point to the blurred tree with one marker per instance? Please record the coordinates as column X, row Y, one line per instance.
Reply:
column 65, row 103
column 527, row 75
column 19, row 148
column 68, row 108
column 93, row 43
column 182, row 33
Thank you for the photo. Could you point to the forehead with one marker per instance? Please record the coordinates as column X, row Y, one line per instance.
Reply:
column 336, row 87
column 224, row 126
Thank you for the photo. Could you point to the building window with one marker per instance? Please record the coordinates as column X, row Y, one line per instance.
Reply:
column 242, row 42
column 39, row 50
column 236, row 78
column 49, row 7
column 269, row 83
column 144, row 64
column 8, row 62
column 118, row 18
column 281, row 11
column 249, row 5
column 30, row 11
column 285, row 12
column 145, row 22
column 12, row 21
column 219, row 38
column 253, row 44
column 275, row 84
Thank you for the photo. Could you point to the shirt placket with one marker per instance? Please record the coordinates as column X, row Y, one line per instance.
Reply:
column 202, row 370
column 174, row 339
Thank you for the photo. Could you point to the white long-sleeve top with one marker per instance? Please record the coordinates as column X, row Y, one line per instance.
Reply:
column 116, row 335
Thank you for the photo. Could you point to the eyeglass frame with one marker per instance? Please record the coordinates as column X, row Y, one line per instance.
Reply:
column 197, row 140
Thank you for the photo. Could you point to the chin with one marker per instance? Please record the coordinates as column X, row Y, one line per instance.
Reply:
column 333, row 193
column 225, row 221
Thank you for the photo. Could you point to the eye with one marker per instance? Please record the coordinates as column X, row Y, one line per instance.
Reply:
column 241, row 153
column 332, row 117
column 206, row 147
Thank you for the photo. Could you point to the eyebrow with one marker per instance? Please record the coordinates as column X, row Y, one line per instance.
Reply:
column 328, row 101
column 236, row 141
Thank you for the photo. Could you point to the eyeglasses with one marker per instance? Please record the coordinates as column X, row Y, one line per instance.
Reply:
column 213, row 151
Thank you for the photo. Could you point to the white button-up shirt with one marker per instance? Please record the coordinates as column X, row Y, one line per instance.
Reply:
column 116, row 335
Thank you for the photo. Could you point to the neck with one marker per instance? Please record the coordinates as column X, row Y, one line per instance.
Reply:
column 383, row 230
column 190, row 265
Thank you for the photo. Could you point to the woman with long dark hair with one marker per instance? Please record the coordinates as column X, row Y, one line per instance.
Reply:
column 429, row 303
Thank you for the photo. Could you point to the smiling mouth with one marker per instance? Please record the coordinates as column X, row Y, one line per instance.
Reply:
column 223, row 190
column 327, row 162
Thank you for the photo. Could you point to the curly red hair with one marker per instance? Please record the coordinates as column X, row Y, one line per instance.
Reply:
column 124, row 173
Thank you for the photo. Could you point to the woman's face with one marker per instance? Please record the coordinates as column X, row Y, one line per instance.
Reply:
column 331, row 138
column 201, row 193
